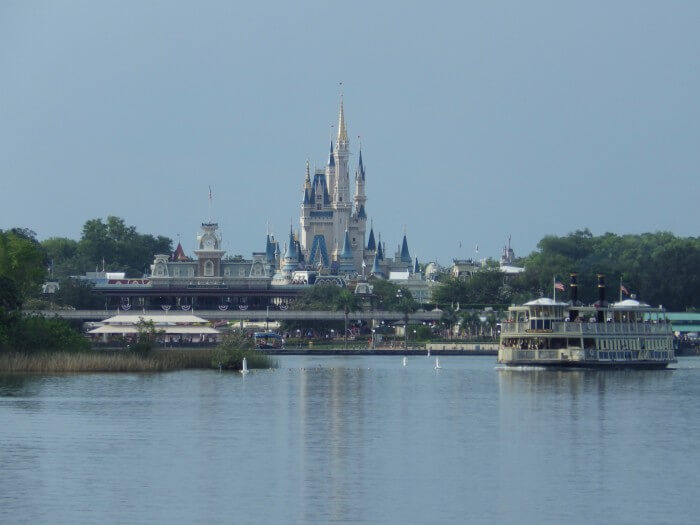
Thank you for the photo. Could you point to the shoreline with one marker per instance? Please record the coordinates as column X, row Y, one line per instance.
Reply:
column 377, row 351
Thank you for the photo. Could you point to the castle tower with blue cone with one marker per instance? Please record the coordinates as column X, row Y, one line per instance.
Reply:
column 347, row 263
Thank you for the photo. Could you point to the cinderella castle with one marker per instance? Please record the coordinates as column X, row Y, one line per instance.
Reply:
column 331, row 246
column 334, row 224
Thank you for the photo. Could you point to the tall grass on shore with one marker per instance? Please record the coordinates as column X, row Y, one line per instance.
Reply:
column 117, row 361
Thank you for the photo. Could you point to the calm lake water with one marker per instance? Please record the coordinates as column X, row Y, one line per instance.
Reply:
column 353, row 440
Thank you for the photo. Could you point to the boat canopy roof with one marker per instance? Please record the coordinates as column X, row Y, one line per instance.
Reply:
column 630, row 303
column 544, row 301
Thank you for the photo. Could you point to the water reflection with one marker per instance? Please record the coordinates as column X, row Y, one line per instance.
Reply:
column 351, row 440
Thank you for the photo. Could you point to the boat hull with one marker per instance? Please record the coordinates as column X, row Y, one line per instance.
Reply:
column 597, row 365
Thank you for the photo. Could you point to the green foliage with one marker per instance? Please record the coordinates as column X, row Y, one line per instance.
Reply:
column 22, row 264
column 121, row 248
column 31, row 334
column 659, row 267
column 486, row 287
column 347, row 302
column 146, row 338
column 77, row 293
column 388, row 296
column 321, row 297
column 230, row 352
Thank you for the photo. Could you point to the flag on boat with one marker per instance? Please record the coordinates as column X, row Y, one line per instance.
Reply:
column 559, row 286
column 624, row 290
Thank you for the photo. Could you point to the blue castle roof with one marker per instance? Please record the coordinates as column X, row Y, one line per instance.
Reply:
column 346, row 260
column 376, row 269
column 361, row 167
column 371, row 244
column 405, row 256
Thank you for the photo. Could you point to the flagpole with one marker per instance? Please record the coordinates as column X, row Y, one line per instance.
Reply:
column 620, row 288
column 209, row 204
column 554, row 287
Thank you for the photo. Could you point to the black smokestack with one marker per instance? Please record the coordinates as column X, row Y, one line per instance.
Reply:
column 601, row 298
column 573, row 286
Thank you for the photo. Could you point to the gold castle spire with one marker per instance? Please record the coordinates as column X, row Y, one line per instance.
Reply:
column 342, row 132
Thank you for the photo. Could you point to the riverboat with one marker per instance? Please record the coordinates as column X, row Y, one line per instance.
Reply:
column 625, row 334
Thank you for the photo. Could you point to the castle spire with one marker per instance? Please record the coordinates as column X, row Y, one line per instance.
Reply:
column 342, row 131
column 361, row 167
column 331, row 157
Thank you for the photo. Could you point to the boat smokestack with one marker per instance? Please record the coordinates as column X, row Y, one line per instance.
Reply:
column 601, row 298
column 573, row 287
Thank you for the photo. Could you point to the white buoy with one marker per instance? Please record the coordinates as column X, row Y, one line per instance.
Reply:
column 437, row 363
column 244, row 370
column 404, row 361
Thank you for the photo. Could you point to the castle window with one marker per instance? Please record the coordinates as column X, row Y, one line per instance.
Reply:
column 190, row 272
column 176, row 272
column 208, row 269
column 227, row 271
column 241, row 272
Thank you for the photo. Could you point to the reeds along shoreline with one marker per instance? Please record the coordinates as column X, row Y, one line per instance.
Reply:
column 101, row 361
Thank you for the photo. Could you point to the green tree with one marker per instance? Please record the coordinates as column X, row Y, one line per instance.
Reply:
column 146, row 338
column 237, row 345
column 347, row 302
column 120, row 246
column 406, row 305
column 449, row 317
column 22, row 261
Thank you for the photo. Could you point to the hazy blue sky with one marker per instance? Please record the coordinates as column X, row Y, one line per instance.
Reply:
column 478, row 119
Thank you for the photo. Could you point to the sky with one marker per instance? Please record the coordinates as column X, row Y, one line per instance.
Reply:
column 477, row 120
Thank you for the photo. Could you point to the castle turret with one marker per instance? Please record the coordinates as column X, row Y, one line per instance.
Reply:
column 291, row 257
column 346, row 260
column 405, row 255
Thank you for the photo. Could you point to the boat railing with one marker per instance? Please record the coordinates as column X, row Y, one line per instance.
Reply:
column 587, row 328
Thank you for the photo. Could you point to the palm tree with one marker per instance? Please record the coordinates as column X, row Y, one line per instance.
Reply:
column 471, row 320
column 407, row 305
column 449, row 317
column 347, row 302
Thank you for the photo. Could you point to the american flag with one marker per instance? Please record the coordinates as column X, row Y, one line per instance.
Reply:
column 559, row 286
column 624, row 290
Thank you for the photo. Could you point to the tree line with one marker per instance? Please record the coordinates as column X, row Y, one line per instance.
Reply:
column 658, row 268
column 26, row 263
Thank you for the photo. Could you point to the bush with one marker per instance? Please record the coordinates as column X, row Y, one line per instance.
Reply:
column 29, row 334
column 230, row 352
